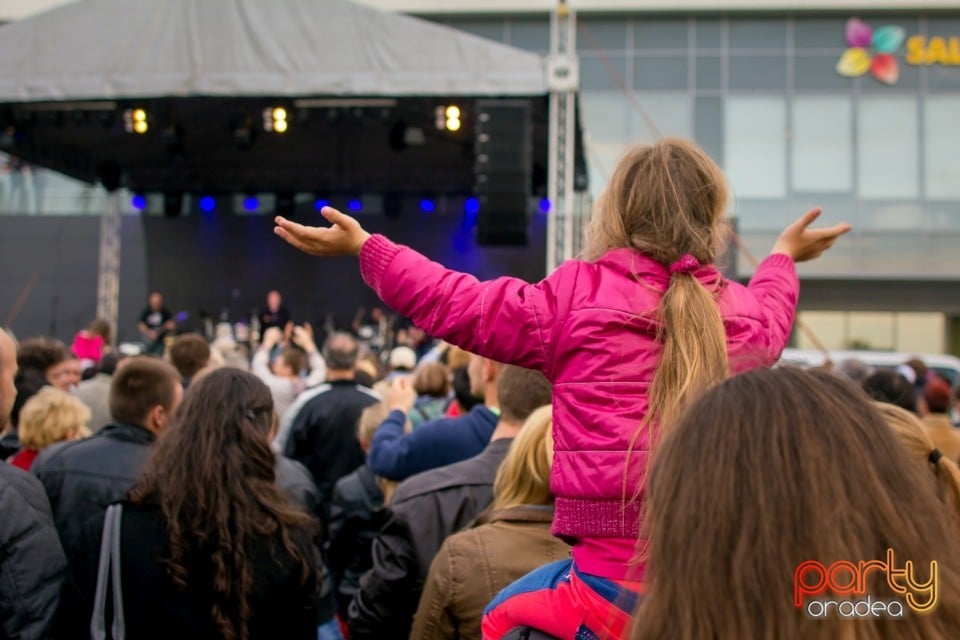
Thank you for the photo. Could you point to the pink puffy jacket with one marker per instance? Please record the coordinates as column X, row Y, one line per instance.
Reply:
column 589, row 328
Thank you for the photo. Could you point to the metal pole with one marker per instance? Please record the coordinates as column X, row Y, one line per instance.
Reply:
column 108, row 276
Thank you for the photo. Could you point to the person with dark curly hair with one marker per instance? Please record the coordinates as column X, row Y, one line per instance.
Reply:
column 210, row 545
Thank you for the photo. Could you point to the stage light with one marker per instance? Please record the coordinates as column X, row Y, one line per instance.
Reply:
column 545, row 205
column 427, row 205
column 208, row 204
column 135, row 121
column 448, row 118
column 138, row 202
column 355, row 205
column 275, row 119
column 320, row 203
column 251, row 203
column 471, row 206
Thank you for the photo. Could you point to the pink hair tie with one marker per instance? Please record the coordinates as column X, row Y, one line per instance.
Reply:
column 686, row 264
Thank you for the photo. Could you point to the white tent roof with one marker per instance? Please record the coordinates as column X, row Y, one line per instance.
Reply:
column 105, row 49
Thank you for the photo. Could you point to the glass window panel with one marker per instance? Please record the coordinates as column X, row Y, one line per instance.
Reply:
column 660, row 34
column 942, row 146
column 819, row 72
column 605, row 115
column 755, row 146
column 822, row 144
column 667, row 72
column 758, row 34
column 811, row 33
column 709, row 72
column 756, row 72
column 659, row 115
column 887, row 153
column 709, row 34
column 602, row 33
column 532, row 35
column 598, row 74
column 708, row 126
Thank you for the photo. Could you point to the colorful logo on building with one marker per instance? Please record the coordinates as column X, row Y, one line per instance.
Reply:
column 871, row 50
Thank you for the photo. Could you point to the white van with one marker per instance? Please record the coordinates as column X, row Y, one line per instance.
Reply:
column 948, row 367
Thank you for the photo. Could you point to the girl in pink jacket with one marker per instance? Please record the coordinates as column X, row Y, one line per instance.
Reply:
column 628, row 337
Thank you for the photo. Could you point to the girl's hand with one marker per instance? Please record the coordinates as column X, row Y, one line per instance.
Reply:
column 801, row 243
column 344, row 238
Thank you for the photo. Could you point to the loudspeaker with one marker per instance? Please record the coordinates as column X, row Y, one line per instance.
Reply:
column 504, row 153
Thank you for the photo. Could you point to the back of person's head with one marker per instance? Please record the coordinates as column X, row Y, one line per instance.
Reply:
column 403, row 359
column 854, row 369
column 212, row 472
column 455, row 357
column 295, row 359
column 141, row 384
column 920, row 370
column 937, row 395
column 341, row 351
column 370, row 420
column 827, row 481
column 189, row 353
column 51, row 416
column 915, row 437
column 432, row 379
column 41, row 354
column 109, row 361
column 668, row 200
column 28, row 382
column 524, row 475
column 463, row 391
column 101, row 327
column 520, row 391
column 891, row 387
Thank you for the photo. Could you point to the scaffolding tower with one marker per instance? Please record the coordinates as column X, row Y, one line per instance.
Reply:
column 564, row 228
column 108, row 274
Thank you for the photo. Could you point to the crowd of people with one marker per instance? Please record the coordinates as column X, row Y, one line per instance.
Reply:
column 608, row 453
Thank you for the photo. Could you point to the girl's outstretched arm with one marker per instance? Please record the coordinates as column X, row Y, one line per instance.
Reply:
column 505, row 319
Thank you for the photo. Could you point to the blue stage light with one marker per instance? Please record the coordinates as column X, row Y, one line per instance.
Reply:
column 471, row 205
column 208, row 204
column 355, row 205
column 139, row 202
column 319, row 204
column 427, row 205
column 545, row 205
column 251, row 203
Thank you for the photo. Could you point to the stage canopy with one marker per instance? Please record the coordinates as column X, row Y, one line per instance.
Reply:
column 114, row 49
column 265, row 96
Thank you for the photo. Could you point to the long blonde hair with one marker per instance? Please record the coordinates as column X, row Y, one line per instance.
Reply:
column 668, row 200
column 913, row 435
column 524, row 475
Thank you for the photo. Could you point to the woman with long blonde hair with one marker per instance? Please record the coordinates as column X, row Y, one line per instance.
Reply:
column 510, row 540
column 782, row 507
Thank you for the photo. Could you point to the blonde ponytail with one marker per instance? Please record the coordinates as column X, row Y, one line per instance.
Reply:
column 694, row 356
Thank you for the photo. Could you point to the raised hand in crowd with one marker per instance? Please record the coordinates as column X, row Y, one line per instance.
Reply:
column 802, row 243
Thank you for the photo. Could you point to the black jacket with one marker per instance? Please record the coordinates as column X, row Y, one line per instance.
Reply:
column 356, row 515
column 323, row 436
column 425, row 509
column 282, row 603
column 31, row 560
column 295, row 480
column 83, row 477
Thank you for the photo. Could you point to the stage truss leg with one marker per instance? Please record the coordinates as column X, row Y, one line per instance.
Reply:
column 563, row 225
column 108, row 275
